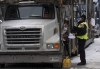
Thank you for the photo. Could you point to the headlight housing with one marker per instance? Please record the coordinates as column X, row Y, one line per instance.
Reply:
column 53, row 45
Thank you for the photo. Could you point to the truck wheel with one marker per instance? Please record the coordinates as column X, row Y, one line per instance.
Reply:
column 57, row 65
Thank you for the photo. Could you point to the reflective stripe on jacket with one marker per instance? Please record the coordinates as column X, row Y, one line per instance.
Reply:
column 85, row 36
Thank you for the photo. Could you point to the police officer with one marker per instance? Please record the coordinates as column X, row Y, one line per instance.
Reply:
column 81, row 31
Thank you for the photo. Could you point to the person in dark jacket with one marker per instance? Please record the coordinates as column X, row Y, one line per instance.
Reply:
column 81, row 31
column 65, row 38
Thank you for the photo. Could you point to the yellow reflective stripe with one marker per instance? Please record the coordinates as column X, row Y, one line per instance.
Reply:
column 83, row 36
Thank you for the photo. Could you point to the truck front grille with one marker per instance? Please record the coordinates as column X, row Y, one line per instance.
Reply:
column 17, row 36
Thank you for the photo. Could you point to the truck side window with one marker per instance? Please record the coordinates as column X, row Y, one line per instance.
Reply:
column 48, row 12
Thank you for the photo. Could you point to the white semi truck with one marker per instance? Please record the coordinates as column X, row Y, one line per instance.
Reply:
column 31, row 32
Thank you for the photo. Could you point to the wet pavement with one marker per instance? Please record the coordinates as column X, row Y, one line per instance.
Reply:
column 92, row 57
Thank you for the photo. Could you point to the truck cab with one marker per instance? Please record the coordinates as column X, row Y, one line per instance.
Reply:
column 29, row 33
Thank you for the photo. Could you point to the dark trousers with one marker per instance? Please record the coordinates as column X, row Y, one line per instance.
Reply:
column 81, row 48
column 66, row 48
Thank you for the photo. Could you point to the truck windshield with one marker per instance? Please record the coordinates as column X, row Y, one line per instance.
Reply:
column 14, row 12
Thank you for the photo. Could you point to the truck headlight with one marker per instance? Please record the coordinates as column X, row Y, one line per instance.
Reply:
column 53, row 46
column 50, row 45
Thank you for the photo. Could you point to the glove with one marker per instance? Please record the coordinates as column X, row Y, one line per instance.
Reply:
column 74, row 29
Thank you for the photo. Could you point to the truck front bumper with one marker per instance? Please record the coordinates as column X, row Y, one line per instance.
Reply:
column 42, row 57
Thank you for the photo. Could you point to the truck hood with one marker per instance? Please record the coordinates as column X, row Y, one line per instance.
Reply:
column 28, row 22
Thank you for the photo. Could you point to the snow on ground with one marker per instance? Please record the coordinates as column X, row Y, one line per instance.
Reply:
column 92, row 55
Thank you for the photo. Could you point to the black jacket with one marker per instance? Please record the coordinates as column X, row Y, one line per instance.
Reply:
column 80, row 31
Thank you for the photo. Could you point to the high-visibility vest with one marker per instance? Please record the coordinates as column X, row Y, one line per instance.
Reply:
column 85, row 36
